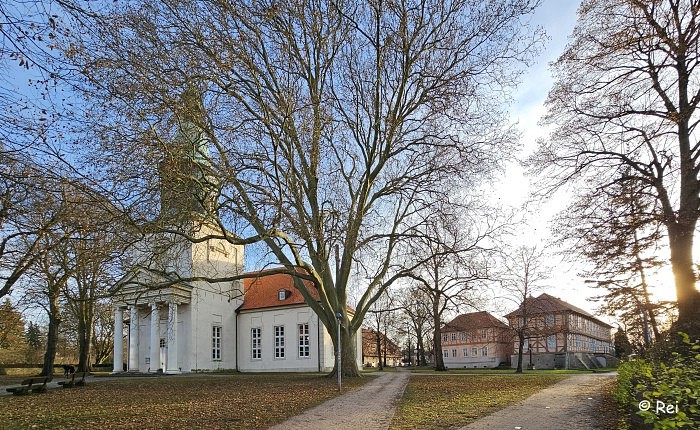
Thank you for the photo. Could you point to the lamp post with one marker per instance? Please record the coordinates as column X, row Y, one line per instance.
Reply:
column 339, row 316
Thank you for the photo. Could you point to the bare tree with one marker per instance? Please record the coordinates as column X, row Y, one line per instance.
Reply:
column 625, row 109
column 524, row 270
column 452, row 258
column 327, row 124
column 416, row 308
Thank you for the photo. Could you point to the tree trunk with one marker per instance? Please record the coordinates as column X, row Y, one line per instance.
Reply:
column 52, row 336
column 420, row 350
column 437, row 340
column 85, row 328
column 521, row 345
column 379, row 351
column 348, row 353
column 681, row 245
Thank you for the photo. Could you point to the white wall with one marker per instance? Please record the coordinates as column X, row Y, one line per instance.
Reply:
column 289, row 317
column 211, row 309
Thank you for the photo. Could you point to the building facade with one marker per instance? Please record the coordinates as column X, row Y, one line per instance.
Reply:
column 387, row 347
column 279, row 332
column 476, row 340
column 176, row 320
column 560, row 335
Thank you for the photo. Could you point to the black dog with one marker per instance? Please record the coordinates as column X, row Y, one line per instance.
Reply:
column 68, row 369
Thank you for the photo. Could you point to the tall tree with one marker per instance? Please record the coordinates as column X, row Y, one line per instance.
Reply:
column 524, row 271
column 12, row 340
column 625, row 100
column 417, row 311
column 327, row 123
column 452, row 257
column 616, row 230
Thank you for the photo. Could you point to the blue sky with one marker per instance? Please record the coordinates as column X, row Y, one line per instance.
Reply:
column 558, row 18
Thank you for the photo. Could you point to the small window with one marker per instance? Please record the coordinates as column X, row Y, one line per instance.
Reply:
column 484, row 333
column 485, row 351
column 465, row 352
column 162, row 342
column 550, row 320
column 444, row 338
column 304, row 349
column 445, row 353
column 279, row 341
column 282, row 294
column 255, row 339
column 463, row 336
column 551, row 342
column 216, row 343
column 475, row 351
column 454, row 353
column 526, row 344
column 454, row 336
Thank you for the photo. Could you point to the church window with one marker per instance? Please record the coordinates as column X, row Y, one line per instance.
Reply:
column 216, row 343
column 304, row 349
column 279, row 341
column 255, row 336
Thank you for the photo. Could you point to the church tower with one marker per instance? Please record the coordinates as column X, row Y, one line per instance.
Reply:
column 179, row 301
column 188, row 186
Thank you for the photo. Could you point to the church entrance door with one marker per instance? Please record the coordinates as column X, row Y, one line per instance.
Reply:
column 163, row 354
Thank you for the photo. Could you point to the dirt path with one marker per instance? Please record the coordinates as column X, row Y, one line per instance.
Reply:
column 369, row 408
column 571, row 404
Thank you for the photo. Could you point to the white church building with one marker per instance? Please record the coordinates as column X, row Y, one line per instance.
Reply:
column 179, row 319
column 259, row 325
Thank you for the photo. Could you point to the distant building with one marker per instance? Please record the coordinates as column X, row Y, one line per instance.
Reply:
column 369, row 349
column 476, row 340
column 561, row 335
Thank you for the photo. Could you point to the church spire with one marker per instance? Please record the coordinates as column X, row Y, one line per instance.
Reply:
column 188, row 186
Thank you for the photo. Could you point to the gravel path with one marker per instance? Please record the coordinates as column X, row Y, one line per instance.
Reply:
column 369, row 408
column 571, row 404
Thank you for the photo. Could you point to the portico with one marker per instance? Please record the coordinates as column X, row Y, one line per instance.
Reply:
column 153, row 326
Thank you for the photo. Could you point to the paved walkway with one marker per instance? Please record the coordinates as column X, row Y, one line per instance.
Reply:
column 369, row 408
column 571, row 404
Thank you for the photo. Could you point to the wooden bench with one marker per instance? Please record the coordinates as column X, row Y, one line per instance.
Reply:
column 70, row 383
column 36, row 385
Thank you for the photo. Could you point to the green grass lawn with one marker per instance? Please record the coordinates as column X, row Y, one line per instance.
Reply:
column 443, row 401
column 222, row 401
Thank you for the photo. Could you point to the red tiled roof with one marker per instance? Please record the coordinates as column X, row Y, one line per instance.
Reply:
column 544, row 303
column 369, row 344
column 474, row 320
column 262, row 291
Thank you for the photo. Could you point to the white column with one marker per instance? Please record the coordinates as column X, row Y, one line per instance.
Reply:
column 155, row 339
column 134, row 339
column 172, row 339
column 118, row 340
